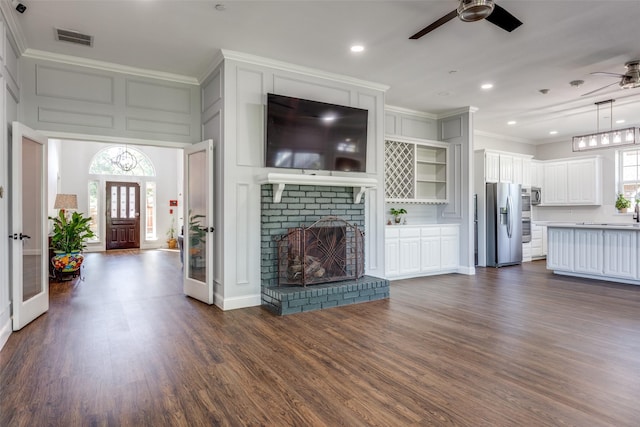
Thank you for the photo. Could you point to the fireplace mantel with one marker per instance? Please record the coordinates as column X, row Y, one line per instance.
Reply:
column 279, row 180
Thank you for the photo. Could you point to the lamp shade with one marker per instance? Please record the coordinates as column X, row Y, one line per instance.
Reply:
column 66, row 201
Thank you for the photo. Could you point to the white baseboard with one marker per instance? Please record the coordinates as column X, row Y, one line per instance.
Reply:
column 5, row 328
column 469, row 271
column 238, row 302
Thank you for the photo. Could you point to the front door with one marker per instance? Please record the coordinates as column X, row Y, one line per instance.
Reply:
column 199, row 219
column 123, row 215
column 28, row 250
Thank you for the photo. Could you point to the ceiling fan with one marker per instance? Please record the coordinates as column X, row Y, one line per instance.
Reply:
column 475, row 10
column 629, row 80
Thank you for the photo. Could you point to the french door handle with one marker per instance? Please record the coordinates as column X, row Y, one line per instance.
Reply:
column 13, row 236
column 24, row 236
column 211, row 229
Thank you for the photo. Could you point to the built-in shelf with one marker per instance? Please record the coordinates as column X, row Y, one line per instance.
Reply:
column 280, row 180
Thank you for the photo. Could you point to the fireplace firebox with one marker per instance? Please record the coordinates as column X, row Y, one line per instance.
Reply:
column 330, row 250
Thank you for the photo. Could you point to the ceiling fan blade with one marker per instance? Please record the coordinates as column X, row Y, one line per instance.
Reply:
column 448, row 17
column 604, row 73
column 503, row 19
column 598, row 90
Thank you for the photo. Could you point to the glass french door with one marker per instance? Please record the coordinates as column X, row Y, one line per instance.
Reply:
column 198, row 236
column 28, row 247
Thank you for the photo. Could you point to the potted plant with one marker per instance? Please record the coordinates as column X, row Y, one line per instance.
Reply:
column 622, row 203
column 396, row 214
column 68, row 239
column 172, row 242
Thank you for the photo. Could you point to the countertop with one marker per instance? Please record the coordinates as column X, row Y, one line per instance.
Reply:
column 632, row 226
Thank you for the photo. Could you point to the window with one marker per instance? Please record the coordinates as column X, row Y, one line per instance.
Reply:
column 630, row 175
column 94, row 197
column 105, row 162
column 150, row 208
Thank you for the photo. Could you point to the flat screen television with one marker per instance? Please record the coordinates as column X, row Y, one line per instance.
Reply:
column 304, row 134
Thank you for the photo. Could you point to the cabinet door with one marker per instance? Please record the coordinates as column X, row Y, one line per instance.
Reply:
column 450, row 256
column 506, row 168
column 409, row 255
column 392, row 257
column 492, row 167
column 588, row 252
column 584, row 182
column 560, row 256
column 555, row 184
column 526, row 173
column 517, row 170
column 620, row 253
column 536, row 174
column 430, row 254
column 536, row 241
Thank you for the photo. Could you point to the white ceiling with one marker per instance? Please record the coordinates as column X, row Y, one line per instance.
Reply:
column 560, row 41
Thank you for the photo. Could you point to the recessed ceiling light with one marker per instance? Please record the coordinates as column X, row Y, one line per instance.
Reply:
column 553, row 132
column 357, row 48
column 620, row 121
column 511, row 122
column 487, row 86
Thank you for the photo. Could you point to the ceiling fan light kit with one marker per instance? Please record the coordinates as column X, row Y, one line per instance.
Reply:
column 610, row 138
column 474, row 10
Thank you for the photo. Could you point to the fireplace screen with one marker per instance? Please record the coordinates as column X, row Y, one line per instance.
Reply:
column 330, row 250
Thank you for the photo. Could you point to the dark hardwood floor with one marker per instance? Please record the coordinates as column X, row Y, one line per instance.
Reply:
column 515, row 346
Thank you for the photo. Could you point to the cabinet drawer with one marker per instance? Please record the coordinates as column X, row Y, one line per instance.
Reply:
column 409, row 232
column 430, row 232
column 392, row 233
column 449, row 231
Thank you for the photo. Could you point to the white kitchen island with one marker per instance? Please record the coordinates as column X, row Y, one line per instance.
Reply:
column 607, row 251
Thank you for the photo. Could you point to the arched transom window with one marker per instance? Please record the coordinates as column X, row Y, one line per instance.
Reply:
column 121, row 160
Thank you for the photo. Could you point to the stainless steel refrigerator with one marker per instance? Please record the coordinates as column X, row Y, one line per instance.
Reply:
column 504, row 224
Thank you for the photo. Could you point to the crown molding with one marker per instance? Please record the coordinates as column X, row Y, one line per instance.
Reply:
column 409, row 112
column 108, row 66
column 218, row 58
column 9, row 14
column 312, row 72
column 504, row 137
column 457, row 112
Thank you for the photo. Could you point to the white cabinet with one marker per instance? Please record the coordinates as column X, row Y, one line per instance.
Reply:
column 491, row 167
column 536, row 174
column 572, row 182
column 555, row 183
column 560, row 255
column 538, row 241
column 392, row 253
column 588, row 254
column 416, row 171
column 421, row 250
column 620, row 254
column 584, row 183
column 409, row 252
column 525, row 175
column 430, row 250
column 506, row 168
column 449, row 244
column 526, row 252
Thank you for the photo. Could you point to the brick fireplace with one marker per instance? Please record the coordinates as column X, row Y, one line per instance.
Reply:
column 303, row 205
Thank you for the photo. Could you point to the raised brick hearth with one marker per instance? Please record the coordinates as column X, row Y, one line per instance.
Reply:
column 303, row 205
column 295, row 299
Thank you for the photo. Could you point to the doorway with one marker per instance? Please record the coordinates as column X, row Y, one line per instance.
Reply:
column 122, row 215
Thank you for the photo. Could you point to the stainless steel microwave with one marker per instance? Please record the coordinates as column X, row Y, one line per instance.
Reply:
column 536, row 195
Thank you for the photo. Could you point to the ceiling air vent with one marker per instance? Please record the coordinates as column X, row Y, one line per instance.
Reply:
column 74, row 37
